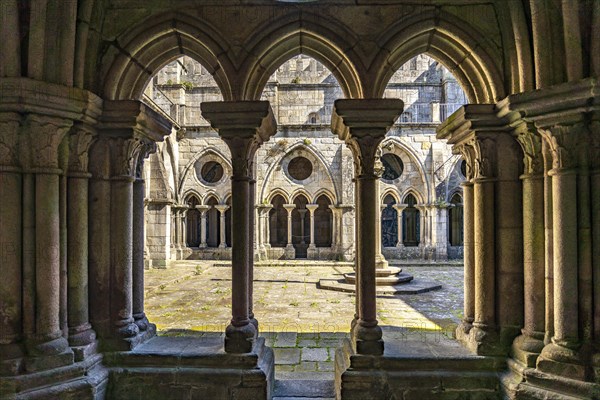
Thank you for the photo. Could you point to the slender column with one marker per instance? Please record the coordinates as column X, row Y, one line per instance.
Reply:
column 548, row 245
column 335, row 227
column 48, row 337
column 121, row 235
column 530, row 343
column 10, row 244
column 362, row 124
column 81, row 334
column 399, row 209
column 184, row 211
column 302, row 218
column 469, row 256
column 380, row 262
column 251, row 238
column 202, row 210
column 483, row 234
column 244, row 126
column 268, row 228
column 289, row 208
column 222, row 208
column 311, row 208
column 139, row 194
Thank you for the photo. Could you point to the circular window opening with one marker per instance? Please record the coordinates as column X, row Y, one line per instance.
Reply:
column 300, row 168
column 463, row 168
column 392, row 165
column 211, row 172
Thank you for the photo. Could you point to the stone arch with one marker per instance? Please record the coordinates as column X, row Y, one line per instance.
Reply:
column 191, row 192
column 137, row 54
column 331, row 44
column 457, row 46
column 414, row 192
column 300, row 192
column 324, row 192
column 391, row 192
column 279, row 192
column 414, row 158
column 277, row 162
column 206, row 152
column 208, row 195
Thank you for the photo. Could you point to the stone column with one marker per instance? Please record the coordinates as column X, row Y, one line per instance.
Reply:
column 567, row 143
column 335, row 228
column 311, row 208
column 530, row 343
column 139, row 193
column 11, row 226
column 222, row 208
column 422, row 225
column 203, row 210
column 362, row 124
column 129, row 128
column 81, row 335
column 399, row 209
column 45, row 135
column 302, row 217
column 290, row 252
column 469, row 252
column 244, row 126
column 251, row 238
column 381, row 262
column 184, row 210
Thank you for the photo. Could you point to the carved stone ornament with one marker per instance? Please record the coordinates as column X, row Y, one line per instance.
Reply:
column 9, row 138
column 80, row 141
column 124, row 155
column 568, row 145
column 468, row 155
column 531, row 143
column 242, row 150
column 45, row 136
column 484, row 152
column 148, row 147
column 365, row 151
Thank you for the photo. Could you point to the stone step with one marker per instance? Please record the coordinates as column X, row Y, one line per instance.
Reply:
column 304, row 385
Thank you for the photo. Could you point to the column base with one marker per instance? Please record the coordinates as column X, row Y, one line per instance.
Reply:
column 142, row 323
column 239, row 339
column 527, row 347
column 11, row 359
column 290, row 252
column 381, row 262
column 367, row 339
column 483, row 340
column 564, row 361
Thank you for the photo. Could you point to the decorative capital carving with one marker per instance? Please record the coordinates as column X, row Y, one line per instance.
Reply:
column 45, row 136
column 124, row 153
column 80, row 141
column 484, row 153
column 366, row 155
column 148, row 147
column 9, row 139
column 568, row 145
column 531, row 143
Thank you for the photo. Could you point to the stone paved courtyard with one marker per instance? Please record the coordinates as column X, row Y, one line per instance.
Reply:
column 304, row 324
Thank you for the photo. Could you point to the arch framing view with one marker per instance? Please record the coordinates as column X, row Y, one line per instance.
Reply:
column 93, row 152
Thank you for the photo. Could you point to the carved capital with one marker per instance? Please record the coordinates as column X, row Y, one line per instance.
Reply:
column 80, row 141
column 148, row 147
column 568, row 145
column 366, row 154
column 484, row 156
column 468, row 154
column 9, row 139
column 45, row 136
column 242, row 150
column 124, row 153
column 531, row 143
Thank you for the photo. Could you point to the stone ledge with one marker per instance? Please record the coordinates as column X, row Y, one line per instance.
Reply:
column 415, row 286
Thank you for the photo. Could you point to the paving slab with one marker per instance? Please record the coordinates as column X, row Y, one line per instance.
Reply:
column 286, row 356
column 314, row 354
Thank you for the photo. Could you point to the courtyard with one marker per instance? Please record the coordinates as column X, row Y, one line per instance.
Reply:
column 302, row 323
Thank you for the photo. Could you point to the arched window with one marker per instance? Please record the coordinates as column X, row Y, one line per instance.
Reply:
column 192, row 222
column 389, row 222
column 323, row 222
column 278, row 222
column 300, row 226
column 410, row 222
column 213, row 230
column 455, row 218
column 228, row 223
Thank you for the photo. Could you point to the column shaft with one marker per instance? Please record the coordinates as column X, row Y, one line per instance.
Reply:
column 138, row 255
column 469, row 254
column 251, row 226
column 80, row 332
column 222, row 241
column 121, row 237
column 485, row 291
column 564, row 195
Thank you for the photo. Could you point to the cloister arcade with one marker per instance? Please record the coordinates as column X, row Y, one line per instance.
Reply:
column 75, row 134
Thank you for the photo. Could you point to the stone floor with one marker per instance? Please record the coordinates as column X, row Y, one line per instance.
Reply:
column 302, row 323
